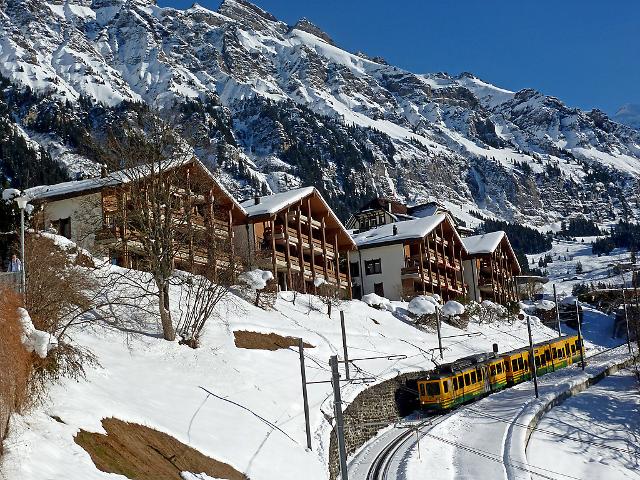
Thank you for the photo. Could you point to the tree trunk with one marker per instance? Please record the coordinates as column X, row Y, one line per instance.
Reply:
column 168, row 332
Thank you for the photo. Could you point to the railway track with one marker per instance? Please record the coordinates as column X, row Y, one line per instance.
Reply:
column 381, row 465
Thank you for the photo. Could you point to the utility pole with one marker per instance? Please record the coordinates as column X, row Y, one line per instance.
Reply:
column 555, row 299
column 532, row 359
column 580, row 343
column 344, row 345
column 337, row 405
column 305, row 398
column 439, row 335
column 626, row 318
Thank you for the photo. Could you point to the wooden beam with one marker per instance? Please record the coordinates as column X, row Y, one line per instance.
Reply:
column 287, row 252
column 273, row 249
column 420, row 266
column 313, row 254
column 324, row 247
column 300, row 249
column 349, row 276
column 337, row 260
column 429, row 262
column 444, row 259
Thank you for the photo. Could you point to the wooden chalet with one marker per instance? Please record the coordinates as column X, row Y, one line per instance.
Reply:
column 297, row 236
column 490, row 267
column 404, row 259
column 105, row 213
column 377, row 212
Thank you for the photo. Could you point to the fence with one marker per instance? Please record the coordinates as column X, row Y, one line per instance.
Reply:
column 11, row 280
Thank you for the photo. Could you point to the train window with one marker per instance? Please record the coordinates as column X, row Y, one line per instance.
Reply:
column 537, row 361
column 507, row 366
column 445, row 385
column 526, row 365
column 433, row 388
column 422, row 390
column 500, row 368
column 460, row 382
column 480, row 377
column 473, row 377
column 520, row 363
column 467, row 379
column 455, row 383
column 547, row 355
column 493, row 370
column 514, row 364
column 573, row 349
column 555, row 353
column 543, row 359
column 566, row 350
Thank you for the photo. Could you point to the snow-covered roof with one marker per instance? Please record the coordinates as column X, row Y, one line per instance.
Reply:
column 408, row 230
column 485, row 243
column 272, row 204
column 89, row 185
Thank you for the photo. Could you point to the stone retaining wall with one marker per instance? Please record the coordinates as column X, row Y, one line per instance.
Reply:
column 372, row 410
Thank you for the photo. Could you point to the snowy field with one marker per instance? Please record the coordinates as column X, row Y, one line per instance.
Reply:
column 147, row 380
column 595, row 434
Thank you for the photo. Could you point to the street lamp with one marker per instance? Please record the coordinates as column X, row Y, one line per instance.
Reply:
column 22, row 202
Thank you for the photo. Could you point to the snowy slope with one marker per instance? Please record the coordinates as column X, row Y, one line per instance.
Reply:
column 147, row 380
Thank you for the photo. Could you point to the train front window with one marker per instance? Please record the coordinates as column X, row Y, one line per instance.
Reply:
column 433, row 388
column 493, row 370
column 514, row 364
column 455, row 383
column 499, row 368
column 460, row 381
column 473, row 377
column 467, row 379
column 520, row 363
column 445, row 386
column 422, row 390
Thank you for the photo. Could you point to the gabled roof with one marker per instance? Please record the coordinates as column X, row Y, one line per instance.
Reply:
column 381, row 203
column 93, row 185
column 408, row 230
column 272, row 204
column 484, row 243
column 487, row 243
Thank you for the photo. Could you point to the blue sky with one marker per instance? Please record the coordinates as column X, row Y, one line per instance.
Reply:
column 585, row 52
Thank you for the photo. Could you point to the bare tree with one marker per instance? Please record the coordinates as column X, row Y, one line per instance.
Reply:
column 148, row 207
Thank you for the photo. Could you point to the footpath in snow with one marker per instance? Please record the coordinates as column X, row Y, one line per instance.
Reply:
column 594, row 434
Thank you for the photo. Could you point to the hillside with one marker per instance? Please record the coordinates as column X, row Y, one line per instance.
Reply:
column 250, row 415
column 276, row 106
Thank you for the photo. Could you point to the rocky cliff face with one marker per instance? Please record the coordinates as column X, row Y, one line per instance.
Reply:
column 282, row 106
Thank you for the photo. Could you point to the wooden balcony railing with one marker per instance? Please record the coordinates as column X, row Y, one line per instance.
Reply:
column 293, row 239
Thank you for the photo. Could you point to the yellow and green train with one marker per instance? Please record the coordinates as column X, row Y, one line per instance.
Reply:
column 476, row 376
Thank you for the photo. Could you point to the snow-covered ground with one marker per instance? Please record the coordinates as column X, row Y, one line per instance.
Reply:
column 595, row 434
column 147, row 380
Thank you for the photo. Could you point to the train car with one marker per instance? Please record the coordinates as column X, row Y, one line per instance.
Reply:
column 473, row 377
column 462, row 381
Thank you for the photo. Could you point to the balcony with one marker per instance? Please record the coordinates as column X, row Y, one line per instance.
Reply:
column 281, row 261
column 281, row 239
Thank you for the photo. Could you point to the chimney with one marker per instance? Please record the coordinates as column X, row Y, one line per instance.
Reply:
column 103, row 171
column 395, row 229
column 256, row 200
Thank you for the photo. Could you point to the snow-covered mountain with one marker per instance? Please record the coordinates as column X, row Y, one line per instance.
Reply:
column 283, row 105
column 629, row 114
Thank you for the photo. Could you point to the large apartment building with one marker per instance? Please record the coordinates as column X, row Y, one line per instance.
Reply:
column 404, row 259
column 490, row 267
column 298, row 237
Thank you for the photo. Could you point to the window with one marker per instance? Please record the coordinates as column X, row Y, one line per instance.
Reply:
column 354, row 268
column 445, row 386
column 507, row 366
column 547, row 356
column 460, row 382
column 526, row 365
column 543, row 359
column 480, row 375
column 473, row 377
column 381, row 220
column 433, row 388
column 555, row 353
column 499, row 368
column 537, row 361
column 520, row 363
column 467, row 379
column 373, row 267
column 573, row 349
column 423, row 391
column 514, row 363
column 378, row 289
column 455, row 383
column 493, row 370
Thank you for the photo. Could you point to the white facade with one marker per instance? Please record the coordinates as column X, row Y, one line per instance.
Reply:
column 470, row 275
column 391, row 262
column 82, row 214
